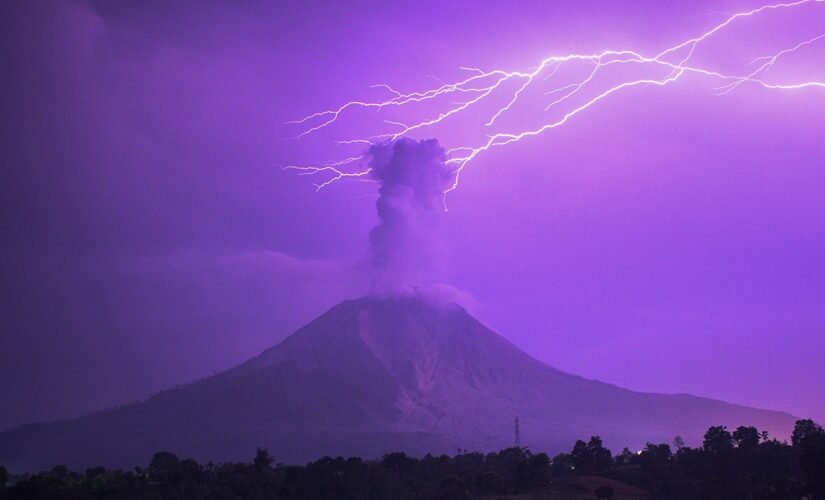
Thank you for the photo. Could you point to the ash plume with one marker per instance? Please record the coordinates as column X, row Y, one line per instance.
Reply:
column 406, row 246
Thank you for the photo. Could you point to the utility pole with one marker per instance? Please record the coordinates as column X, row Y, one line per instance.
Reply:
column 517, row 441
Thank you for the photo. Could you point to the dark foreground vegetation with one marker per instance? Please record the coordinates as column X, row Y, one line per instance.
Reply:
column 743, row 464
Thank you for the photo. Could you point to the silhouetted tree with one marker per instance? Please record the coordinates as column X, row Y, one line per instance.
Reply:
column 809, row 440
column 655, row 454
column 717, row 440
column 591, row 457
column 93, row 472
column 746, row 437
column 60, row 471
column 163, row 466
column 263, row 460
column 398, row 461
column 802, row 429
column 626, row 457
column 188, row 470
column 602, row 458
column 4, row 476
column 678, row 443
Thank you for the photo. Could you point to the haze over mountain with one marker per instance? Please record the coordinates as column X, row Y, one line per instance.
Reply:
column 374, row 375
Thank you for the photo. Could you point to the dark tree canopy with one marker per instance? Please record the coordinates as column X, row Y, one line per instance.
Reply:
column 718, row 440
column 803, row 429
column 742, row 465
column 809, row 440
column 263, row 460
column 591, row 457
column 746, row 437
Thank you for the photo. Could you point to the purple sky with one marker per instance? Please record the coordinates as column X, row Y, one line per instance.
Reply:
column 669, row 240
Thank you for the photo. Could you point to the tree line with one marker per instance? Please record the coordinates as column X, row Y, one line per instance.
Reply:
column 742, row 464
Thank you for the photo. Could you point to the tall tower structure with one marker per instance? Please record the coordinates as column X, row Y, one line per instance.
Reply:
column 517, row 432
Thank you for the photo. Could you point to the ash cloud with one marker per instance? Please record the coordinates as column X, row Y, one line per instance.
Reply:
column 407, row 250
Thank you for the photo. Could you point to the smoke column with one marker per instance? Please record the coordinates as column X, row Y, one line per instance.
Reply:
column 406, row 244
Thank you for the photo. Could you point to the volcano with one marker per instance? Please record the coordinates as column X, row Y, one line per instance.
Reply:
column 374, row 375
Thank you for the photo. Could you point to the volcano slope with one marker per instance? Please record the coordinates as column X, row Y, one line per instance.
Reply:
column 374, row 375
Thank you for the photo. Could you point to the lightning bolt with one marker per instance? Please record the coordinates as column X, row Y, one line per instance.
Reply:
column 675, row 61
